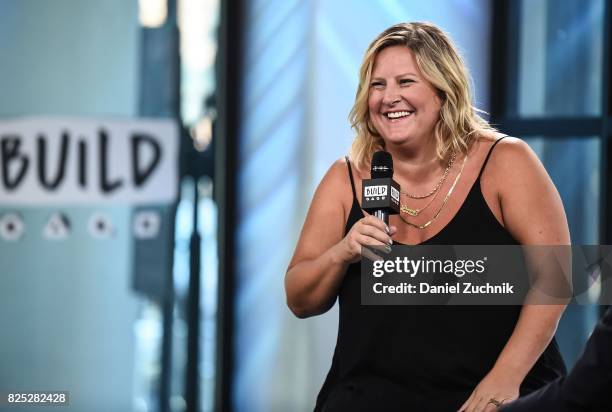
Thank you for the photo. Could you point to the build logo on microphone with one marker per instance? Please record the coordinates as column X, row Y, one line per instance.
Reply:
column 376, row 191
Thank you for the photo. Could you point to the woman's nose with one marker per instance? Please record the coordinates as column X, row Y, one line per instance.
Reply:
column 391, row 96
column 391, row 100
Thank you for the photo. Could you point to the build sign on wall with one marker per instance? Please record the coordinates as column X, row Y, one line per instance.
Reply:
column 47, row 161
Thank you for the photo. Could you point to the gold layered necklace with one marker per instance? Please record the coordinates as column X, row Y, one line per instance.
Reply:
column 416, row 212
column 438, row 185
column 403, row 207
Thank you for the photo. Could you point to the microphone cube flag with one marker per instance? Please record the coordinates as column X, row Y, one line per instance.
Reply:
column 381, row 194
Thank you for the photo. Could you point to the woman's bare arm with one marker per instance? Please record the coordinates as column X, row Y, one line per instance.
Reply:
column 323, row 254
column 533, row 213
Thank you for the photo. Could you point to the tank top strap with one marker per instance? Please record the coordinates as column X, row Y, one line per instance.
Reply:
column 350, row 172
column 489, row 155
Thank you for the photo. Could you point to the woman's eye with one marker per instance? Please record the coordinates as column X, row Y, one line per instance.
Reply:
column 377, row 84
column 406, row 81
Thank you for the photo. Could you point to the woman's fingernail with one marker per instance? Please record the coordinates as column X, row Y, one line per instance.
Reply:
column 390, row 241
column 387, row 229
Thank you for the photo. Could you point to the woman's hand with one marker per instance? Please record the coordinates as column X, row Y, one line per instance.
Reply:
column 494, row 390
column 368, row 231
column 318, row 266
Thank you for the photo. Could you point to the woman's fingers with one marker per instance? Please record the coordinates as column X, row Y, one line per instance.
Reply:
column 376, row 222
column 369, row 231
column 376, row 229
column 375, row 234
column 464, row 407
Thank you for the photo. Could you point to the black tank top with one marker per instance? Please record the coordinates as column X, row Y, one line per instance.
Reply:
column 424, row 358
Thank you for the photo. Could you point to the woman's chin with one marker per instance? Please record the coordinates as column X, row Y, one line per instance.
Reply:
column 399, row 139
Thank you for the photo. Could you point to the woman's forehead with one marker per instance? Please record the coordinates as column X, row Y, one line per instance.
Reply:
column 394, row 58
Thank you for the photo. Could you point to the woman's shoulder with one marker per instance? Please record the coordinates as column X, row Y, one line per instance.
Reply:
column 532, row 208
column 500, row 140
column 339, row 171
column 512, row 163
column 337, row 179
column 334, row 190
column 512, row 153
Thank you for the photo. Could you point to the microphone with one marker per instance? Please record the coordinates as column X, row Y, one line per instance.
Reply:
column 381, row 193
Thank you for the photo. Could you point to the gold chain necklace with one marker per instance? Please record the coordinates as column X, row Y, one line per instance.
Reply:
column 416, row 212
column 450, row 191
column 439, row 184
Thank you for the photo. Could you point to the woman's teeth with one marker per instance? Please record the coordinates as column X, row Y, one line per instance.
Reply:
column 397, row 115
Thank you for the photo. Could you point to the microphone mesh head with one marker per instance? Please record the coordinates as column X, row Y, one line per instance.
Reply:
column 382, row 165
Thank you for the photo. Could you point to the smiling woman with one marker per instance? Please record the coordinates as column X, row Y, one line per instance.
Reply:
column 414, row 102
column 405, row 105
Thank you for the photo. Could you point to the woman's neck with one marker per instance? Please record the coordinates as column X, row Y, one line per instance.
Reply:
column 415, row 163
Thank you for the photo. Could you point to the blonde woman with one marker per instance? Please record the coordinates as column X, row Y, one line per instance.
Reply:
column 462, row 183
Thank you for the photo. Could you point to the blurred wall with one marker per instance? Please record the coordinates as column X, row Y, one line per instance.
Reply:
column 69, row 57
column 67, row 310
column 301, row 64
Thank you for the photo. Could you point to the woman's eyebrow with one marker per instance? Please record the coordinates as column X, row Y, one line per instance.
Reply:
column 398, row 76
column 407, row 74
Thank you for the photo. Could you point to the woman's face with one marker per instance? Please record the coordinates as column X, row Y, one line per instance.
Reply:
column 403, row 106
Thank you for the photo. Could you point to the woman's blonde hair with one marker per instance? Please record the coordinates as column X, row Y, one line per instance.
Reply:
column 441, row 65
